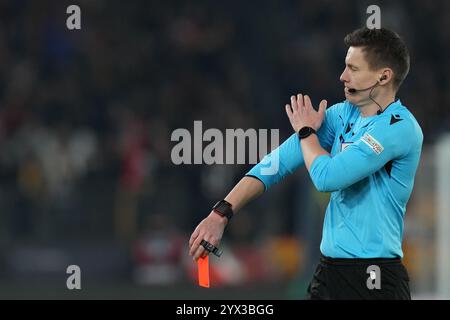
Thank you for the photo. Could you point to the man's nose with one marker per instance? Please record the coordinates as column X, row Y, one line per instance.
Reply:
column 343, row 77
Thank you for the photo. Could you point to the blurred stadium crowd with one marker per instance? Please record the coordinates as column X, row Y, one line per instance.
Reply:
column 86, row 118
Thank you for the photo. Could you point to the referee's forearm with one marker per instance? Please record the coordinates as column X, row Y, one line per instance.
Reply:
column 311, row 149
column 246, row 189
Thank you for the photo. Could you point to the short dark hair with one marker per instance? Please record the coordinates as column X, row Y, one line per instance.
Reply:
column 382, row 48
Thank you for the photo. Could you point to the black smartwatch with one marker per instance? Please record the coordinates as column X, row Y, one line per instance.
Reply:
column 305, row 132
column 223, row 208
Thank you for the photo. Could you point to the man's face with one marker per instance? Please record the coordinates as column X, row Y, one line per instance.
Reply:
column 357, row 75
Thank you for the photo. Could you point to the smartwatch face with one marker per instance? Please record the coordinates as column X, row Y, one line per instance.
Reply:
column 304, row 131
column 221, row 207
column 223, row 210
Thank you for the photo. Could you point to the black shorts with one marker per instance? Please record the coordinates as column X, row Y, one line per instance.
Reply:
column 359, row 279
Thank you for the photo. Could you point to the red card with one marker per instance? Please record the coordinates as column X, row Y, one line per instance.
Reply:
column 203, row 271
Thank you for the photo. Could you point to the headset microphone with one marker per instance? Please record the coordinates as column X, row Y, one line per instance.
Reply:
column 353, row 90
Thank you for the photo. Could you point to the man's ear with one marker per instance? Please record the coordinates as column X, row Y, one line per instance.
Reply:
column 386, row 76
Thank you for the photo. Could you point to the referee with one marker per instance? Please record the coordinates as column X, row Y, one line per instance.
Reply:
column 365, row 151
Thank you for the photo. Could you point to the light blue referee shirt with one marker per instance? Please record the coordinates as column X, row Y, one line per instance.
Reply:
column 369, row 172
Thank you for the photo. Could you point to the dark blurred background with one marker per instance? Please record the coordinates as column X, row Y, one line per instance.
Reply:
column 86, row 117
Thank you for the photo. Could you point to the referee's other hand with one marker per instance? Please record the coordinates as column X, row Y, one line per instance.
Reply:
column 210, row 229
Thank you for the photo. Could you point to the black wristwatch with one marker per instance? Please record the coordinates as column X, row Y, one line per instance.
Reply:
column 223, row 208
column 305, row 132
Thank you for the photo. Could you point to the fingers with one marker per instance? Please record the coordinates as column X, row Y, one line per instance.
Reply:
column 297, row 102
column 323, row 106
column 289, row 111
column 197, row 250
column 307, row 102
column 200, row 252
column 300, row 100
column 193, row 237
column 194, row 250
column 294, row 104
column 194, row 242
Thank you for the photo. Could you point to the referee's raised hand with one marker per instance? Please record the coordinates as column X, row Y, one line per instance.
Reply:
column 302, row 114
column 210, row 229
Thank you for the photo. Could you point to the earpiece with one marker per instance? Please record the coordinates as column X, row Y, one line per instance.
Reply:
column 384, row 77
